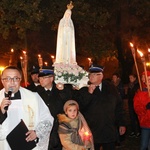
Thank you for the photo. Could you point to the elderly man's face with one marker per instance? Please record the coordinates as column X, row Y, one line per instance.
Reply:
column 11, row 78
column 46, row 81
column 96, row 78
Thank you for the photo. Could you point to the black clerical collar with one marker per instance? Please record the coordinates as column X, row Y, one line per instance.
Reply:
column 17, row 95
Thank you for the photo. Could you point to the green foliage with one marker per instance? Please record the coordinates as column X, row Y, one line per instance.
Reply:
column 103, row 28
column 20, row 16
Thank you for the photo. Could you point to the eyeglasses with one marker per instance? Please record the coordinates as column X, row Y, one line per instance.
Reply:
column 14, row 79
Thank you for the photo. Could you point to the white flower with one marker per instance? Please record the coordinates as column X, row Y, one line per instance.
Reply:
column 69, row 72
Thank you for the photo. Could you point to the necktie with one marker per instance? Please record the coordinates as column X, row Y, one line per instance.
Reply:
column 97, row 89
column 48, row 92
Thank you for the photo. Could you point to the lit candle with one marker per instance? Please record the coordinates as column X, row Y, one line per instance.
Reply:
column 145, row 70
column 24, row 55
column 22, row 62
column 11, row 55
column 149, row 54
column 87, row 136
column 90, row 62
column 12, row 50
column 40, row 61
column 53, row 58
column 45, row 63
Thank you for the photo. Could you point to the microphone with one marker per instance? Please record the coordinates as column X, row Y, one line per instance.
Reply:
column 10, row 90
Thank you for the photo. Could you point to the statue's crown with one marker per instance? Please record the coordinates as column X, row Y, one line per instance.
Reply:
column 70, row 6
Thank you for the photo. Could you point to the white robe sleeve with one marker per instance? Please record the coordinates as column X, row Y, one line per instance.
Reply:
column 44, row 125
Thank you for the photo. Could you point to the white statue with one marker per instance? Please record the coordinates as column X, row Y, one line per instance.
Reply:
column 65, row 50
column 65, row 65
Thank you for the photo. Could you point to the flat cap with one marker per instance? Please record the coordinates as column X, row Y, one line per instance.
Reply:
column 46, row 71
column 96, row 68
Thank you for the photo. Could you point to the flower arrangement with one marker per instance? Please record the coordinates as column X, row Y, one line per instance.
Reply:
column 70, row 73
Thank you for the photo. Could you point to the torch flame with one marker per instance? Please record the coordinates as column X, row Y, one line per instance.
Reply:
column 12, row 50
column 89, row 59
column 24, row 52
column 52, row 56
column 131, row 44
column 141, row 54
column 45, row 63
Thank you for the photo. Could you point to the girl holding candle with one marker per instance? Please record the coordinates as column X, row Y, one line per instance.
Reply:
column 73, row 130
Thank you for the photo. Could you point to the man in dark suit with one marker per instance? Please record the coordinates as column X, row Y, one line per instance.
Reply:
column 54, row 95
column 102, row 108
column 35, row 80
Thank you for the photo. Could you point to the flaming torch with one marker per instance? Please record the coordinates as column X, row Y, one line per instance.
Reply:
column 40, row 61
column 145, row 70
column 24, row 63
column 133, row 54
column 11, row 56
column 53, row 58
column 149, row 54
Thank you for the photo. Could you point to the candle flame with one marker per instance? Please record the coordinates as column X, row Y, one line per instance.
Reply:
column 46, row 63
column 131, row 44
column 24, row 52
column 141, row 54
column 149, row 50
column 147, row 64
column 39, row 56
column 89, row 59
column 12, row 50
column 52, row 56
column 86, row 133
column 21, row 57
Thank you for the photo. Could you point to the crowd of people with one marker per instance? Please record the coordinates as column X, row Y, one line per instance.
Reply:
column 58, row 116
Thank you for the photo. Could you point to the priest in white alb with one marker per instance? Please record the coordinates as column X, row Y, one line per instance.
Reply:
column 24, row 105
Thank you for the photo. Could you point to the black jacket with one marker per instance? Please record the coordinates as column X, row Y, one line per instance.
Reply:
column 32, row 87
column 103, row 111
column 132, row 89
column 55, row 101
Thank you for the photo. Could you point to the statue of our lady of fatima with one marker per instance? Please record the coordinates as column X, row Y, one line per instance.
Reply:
column 65, row 65
column 65, row 50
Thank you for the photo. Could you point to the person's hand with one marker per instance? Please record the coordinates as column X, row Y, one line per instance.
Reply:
column 91, row 88
column 60, row 86
column 5, row 102
column 31, row 135
column 122, row 130
column 148, row 105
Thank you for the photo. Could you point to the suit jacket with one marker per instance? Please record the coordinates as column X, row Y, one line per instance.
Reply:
column 32, row 87
column 103, row 111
